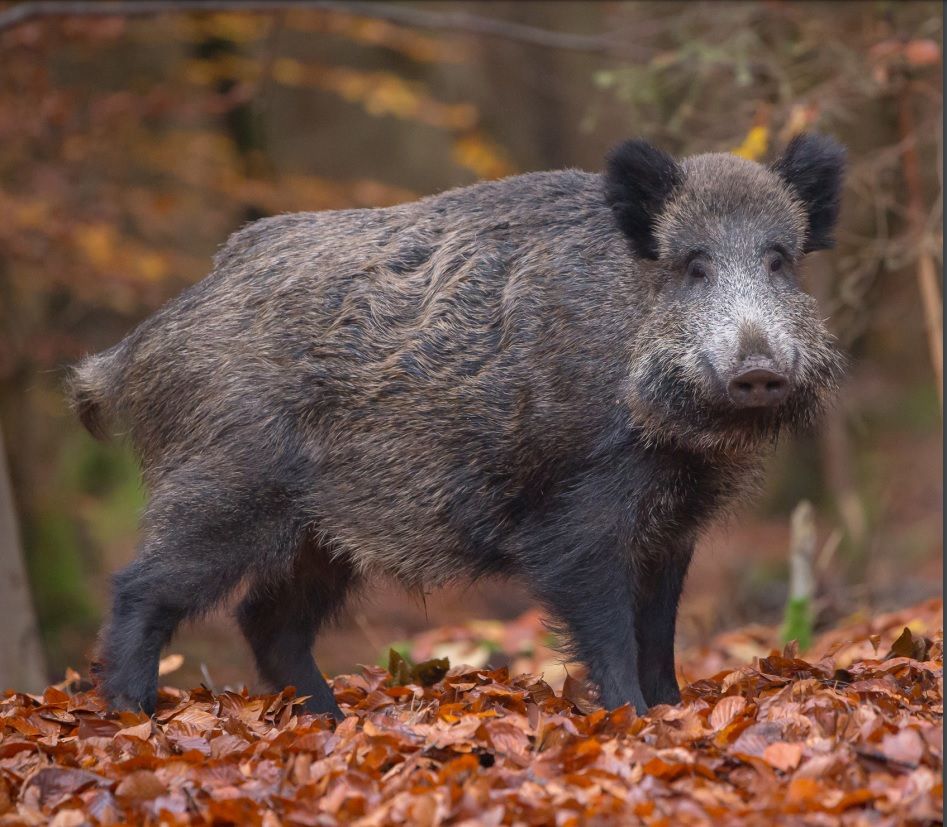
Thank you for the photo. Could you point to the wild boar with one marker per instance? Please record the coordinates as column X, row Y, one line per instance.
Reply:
column 560, row 376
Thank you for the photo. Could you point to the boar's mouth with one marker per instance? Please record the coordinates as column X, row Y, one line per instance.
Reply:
column 673, row 407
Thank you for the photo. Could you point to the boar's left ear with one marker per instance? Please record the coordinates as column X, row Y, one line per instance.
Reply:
column 813, row 166
column 639, row 178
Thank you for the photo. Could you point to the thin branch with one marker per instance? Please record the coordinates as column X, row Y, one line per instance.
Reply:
column 393, row 13
column 931, row 298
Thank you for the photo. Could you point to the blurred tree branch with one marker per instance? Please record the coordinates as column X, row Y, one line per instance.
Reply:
column 391, row 12
column 926, row 269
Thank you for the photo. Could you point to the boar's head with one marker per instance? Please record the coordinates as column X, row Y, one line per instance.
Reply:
column 731, row 350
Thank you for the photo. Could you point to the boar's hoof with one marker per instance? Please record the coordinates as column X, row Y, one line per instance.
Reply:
column 316, row 707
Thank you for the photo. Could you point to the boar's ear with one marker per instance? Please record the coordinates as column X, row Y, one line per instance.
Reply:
column 813, row 166
column 638, row 180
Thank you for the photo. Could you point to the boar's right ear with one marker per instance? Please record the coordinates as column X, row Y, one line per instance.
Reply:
column 813, row 166
column 639, row 178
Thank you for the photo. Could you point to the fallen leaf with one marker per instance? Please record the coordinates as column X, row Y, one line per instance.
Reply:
column 783, row 756
column 56, row 782
column 170, row 664
column 846, row 739
column 141, row 784
column 904, row 747
column 727, row 708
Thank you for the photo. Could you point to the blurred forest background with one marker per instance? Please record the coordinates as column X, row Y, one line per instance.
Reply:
column 131, row 146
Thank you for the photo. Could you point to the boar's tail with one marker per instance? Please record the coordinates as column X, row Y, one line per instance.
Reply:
column 91, row 390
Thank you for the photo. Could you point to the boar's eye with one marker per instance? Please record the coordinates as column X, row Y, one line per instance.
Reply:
column 697, row 269
column 776, row 261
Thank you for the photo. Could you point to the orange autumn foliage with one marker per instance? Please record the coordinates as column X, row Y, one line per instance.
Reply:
column 783, row 739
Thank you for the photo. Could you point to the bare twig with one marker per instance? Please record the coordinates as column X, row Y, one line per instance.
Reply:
column 377, row 644
column 392, row 12
column 838, row 454
column 208, row 680
column 926, row 270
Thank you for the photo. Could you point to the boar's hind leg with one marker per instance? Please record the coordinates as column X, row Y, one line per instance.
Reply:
column 660, row 582
column 150, row 599
column 280, row 621
column 199, row 542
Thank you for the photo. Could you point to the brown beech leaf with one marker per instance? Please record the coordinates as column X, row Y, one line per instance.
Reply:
column 140, row 784
column 195, row 716
column 905, row 747
column 783, row 756
column 55, row 782
column 577, row 692
column 805, row 794
column 755, row 739
column 907, row 646
column 727, row 708
column 141, row 731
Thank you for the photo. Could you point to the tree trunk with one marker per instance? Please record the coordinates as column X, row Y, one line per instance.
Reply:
column 22, row 665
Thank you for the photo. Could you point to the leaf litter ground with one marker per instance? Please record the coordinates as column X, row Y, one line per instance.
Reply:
column 853, row 737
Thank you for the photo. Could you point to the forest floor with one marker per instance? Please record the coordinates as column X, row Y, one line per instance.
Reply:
column 851, row 735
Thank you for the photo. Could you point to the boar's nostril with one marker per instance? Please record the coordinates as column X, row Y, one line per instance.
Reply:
column 757, row 388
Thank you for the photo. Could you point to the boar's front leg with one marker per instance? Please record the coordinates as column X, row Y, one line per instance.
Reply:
column 590, row 593
column 660, row 581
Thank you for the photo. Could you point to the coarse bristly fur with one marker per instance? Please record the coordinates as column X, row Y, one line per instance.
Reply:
column 524, row 377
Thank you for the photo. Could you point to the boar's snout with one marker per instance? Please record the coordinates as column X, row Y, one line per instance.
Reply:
column 757, row 383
